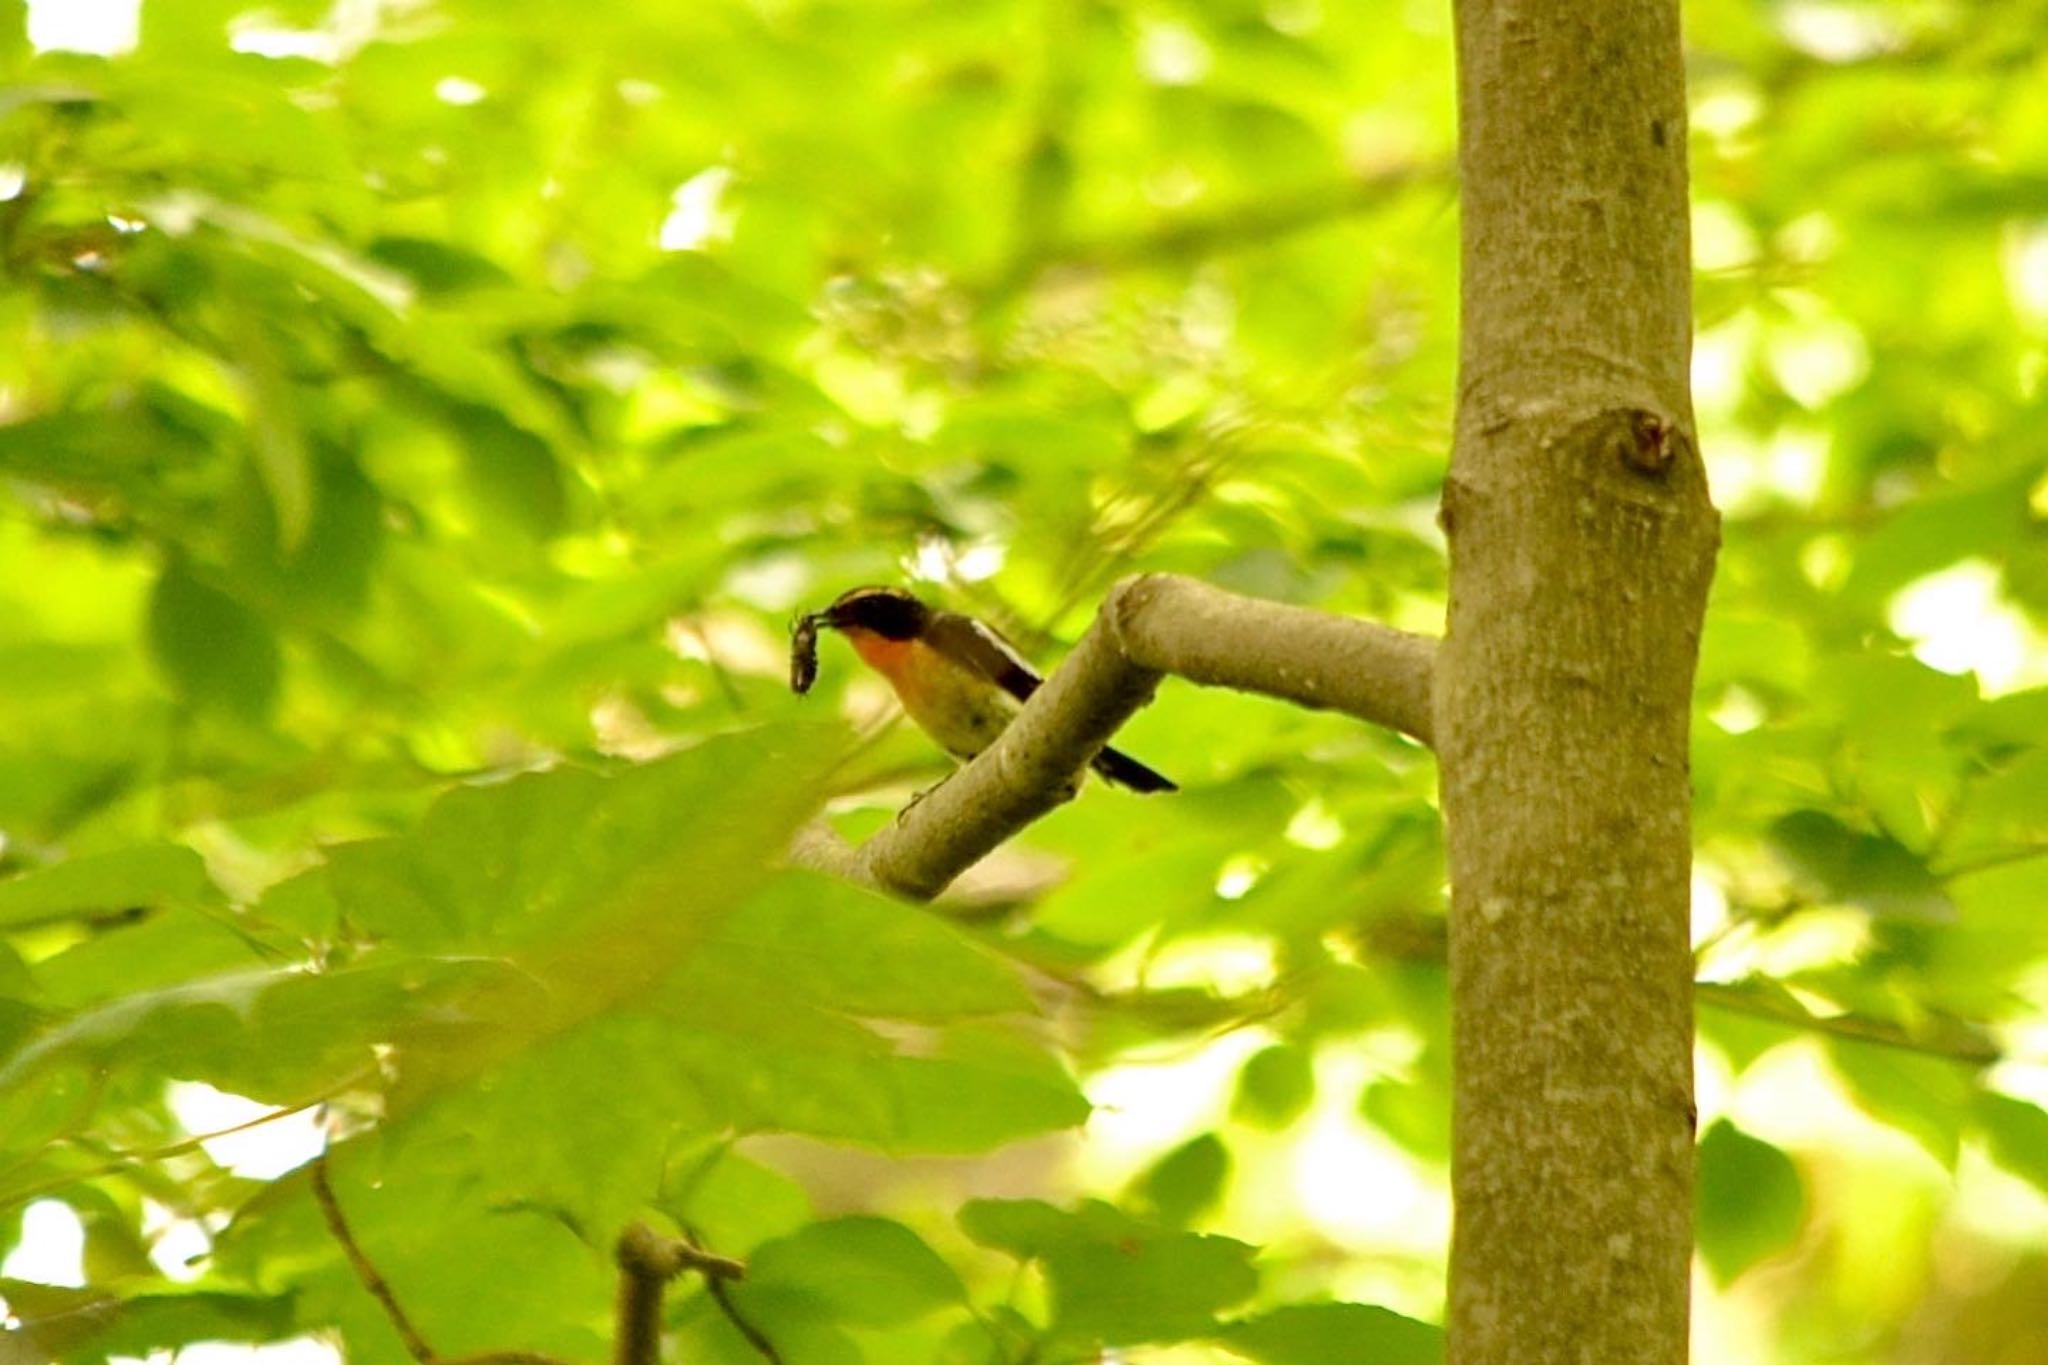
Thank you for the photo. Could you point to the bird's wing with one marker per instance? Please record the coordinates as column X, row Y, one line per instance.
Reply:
column 963, row 637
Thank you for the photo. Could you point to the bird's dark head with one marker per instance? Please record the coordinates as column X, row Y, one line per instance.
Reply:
column 890, row 613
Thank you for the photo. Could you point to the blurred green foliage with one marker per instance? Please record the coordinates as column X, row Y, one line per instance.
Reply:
column 418, row 421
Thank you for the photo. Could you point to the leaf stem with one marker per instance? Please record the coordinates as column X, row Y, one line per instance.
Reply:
column 121, row 1161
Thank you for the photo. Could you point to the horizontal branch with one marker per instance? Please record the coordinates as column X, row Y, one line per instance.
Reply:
column 1312, row 658
column 1030, row 770
column 1148, row 627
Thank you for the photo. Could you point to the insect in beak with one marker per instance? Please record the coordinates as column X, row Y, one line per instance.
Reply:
column 803, row 652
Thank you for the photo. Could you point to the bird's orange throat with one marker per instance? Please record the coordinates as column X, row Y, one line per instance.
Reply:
column 890, row 658
column 953, row 702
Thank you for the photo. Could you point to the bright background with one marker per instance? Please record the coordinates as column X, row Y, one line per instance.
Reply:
column 404, row 395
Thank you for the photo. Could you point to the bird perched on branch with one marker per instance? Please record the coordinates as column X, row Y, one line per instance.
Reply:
column 959, row 680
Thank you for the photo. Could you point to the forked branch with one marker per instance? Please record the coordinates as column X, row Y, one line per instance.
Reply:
column 647, row 1262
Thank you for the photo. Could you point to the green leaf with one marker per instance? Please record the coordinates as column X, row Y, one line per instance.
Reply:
column 216, row 652
column 1926, row 1098
column 19, row 1010
column 326, row 571
column 1414, row 1114
column 1275, row 1086
column 438, row 266
column 1936, row 531
column 2005, row 812
column 545, row 855
column 169, row 948
column 965, row 1089
column 1029, row 1229
column 1999, row 933
column 278, row 443
column 833, row 945
column 734, row 1203
column 1751, row 1200
column 866, row 1271
column 545, row 1128
column 1874, row 871
column 1160, row 1289
column 720, row 1002
column 276, row 1034
column 599, row 888
column 85, row 1326
column 512, row 473
column 2016, row 1133
column 99, row 450
column 1187, row 1182
column 268, row 247
column 1335, row 1334
column 1116, row 1279
column 13, row 30
column 642, row 952
column 2017, row 719
column 703, row 1335
column 144, row 876
column 1754, row 649
column 525, row 1278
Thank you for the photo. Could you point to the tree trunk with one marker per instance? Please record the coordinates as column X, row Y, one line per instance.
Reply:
column 1582, row 542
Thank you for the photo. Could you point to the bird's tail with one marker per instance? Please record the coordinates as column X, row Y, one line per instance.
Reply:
column 1126, row 771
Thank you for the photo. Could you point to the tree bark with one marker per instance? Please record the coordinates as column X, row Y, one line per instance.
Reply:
column 1582, row 542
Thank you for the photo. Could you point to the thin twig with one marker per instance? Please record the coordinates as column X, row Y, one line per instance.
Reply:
column 754, row 1336
column 1961, row 1044
column 1984, row 862
column 121, row 1161
column 366, row 1270
column 380, row 1289
column 1761, row 917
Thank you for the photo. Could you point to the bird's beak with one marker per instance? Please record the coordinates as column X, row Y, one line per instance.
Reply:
column 830, row 618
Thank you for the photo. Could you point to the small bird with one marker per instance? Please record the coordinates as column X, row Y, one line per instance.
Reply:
column 959, row 680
